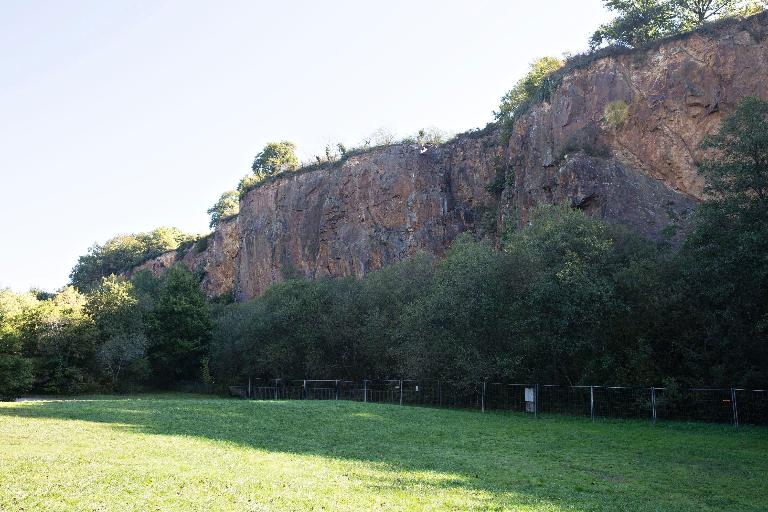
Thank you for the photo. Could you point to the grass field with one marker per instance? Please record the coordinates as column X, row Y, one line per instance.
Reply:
column 192, row 453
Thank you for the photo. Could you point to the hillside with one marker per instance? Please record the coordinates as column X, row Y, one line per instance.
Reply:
column 386, row 204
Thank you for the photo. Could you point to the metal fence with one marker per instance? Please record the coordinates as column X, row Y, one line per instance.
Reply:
column 724, row 405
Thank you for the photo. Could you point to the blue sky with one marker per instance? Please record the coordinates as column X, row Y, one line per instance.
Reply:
column 123, row 116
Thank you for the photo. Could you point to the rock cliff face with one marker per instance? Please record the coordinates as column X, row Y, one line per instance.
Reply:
column 375, row 208
column 386, row 204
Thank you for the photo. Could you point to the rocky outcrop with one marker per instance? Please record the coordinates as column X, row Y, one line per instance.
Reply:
column 214, row 256
column 675, row 94
column 383, row 205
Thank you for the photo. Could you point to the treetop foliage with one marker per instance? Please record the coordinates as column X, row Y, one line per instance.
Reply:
column 640, row 21
column 523, row 91
column 276, row 157
column 225, row 208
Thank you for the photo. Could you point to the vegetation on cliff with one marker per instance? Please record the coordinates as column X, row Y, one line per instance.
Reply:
column 225, row 208
column 124, row 252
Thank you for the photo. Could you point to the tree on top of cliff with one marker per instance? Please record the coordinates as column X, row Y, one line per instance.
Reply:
column 276, row 157
column 524, row 90
column 640, row 21
column 226, row 207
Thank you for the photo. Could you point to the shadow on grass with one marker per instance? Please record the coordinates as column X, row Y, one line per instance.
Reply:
column 510, row 458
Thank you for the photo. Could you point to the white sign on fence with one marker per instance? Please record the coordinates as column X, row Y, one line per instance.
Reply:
column 529, row 395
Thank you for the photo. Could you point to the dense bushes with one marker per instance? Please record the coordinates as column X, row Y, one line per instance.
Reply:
column 541, row 79
column 570, row 300
column 225, row 208
column 122, row 335
column 547, row 308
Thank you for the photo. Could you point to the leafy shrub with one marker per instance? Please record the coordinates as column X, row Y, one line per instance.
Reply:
column 616, row 113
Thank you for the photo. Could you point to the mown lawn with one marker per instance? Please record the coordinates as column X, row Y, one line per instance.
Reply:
column 192, row 453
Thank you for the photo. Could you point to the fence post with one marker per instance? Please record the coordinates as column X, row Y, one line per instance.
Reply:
column 536, row 401
column 735, row 408
column 249, row 387
column 365, row 391
column 304, row 389
column 653, row 404
column 592, row 402
column 482, row 399
column 276, row 380
column 439, row 394
column 401, row 392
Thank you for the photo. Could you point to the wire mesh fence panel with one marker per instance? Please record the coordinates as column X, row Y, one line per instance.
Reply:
column 622, row 402
column 293, row 390
column 734, row 406
column 384, row 391
column 264, row 393
column 752, row 406
column 571, row 400
column 321, row 390
column 508, row 397
column 460, row 395
column 706, row 405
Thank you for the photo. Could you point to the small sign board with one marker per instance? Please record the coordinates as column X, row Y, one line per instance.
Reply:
column 529, row 395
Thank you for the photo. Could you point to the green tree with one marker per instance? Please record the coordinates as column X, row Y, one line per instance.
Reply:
column 726, row 272
column 576, row 320
column 637, row 22
column 275, row 158
column 123, row 353
column 225, row 208
column 118, row 316
column 16, row 375
column 179, row 328
column 114, row 307
column 62, row 341
column 522, row 92
column 640, row 21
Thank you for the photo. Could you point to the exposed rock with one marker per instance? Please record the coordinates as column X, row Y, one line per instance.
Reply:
column 216, row 261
